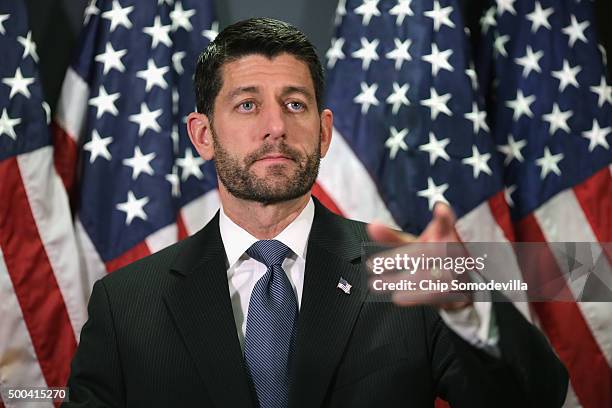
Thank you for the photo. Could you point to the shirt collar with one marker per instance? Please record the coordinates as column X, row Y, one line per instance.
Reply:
column 237, row 240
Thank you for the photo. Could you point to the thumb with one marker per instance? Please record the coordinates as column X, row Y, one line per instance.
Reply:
column 386, row 235
column 442, row 225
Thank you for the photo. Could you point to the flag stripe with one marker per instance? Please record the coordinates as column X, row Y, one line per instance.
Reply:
column 65, row 151
column 50, row 209
column 35, row 285
column 325, row 199
column 162, row 238
column 72, row 106
column 198, row 212
column 348, row 183
column 561, row 217
column 18, row 363
column 93, row 266
column 499, row 209
column 135, row 253
column 579, row 351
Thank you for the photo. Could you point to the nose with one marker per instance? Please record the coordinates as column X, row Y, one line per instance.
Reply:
column 274, row 123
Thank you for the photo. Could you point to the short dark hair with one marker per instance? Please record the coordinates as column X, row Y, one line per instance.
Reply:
column 265, row 36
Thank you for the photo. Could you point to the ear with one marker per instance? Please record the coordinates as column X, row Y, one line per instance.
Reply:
column 327, row 124
column 199, row 129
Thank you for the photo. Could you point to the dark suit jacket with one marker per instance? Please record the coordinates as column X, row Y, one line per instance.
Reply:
column 161, row 333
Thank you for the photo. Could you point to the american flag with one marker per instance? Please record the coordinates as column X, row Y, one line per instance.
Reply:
column 42, row 301
column 516, row 143
column 139, row 185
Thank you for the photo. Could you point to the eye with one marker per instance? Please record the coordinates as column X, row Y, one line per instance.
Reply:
column 296, row 106
column 247, row 106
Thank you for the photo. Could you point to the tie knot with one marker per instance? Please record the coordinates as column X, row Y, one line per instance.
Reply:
column 269, row 252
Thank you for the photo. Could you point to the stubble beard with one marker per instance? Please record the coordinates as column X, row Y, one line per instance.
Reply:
column 279, row 183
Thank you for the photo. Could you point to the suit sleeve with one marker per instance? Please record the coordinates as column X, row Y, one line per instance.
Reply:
column 527, row 374
column 96, row 379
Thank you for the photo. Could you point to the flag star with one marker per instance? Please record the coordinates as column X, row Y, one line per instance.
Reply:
column 335, row 53
column 368, row 9
column 478, row 118
column 98, row 147
column 180, row 17
column 90, row 10
column 436, row 148
column 104, row 103
column 7, row 125
column 177, row 63
column 505, row 5
column 118, row 16
column 530, row 62
column 438, row 60
column 153, row 75
column 500, row 44
column 111, row 59
column 398, row 97
column 488, row 20
column 575, row 31
column 340, row 12
column 146, row 119
column 401, row 10
column 539, row 17
column 212, row 32
column 434, row 193
column 400, row 52
column 549, row 162
column 140, row 163
column 508, row 191
column 133, row 208
column 19, row 84
column 159, row 33
column 29, row 46
column 521, row 105
column 367, row 97
column 47, row 110
column 395, row 142
column 175, row 184
column 190, row 165
column 597, row 136
column 366, row 53
column 512, row 150
column 440, row 16
column 567, row 75
column 437, row 103
column 558, row 119
column 3, row 18
column 479, row 162
column 471, row 73
column 603, row 91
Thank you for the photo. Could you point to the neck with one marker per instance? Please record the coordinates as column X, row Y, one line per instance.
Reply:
column 263, row 221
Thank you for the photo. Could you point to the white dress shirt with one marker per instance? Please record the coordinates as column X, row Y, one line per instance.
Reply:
column 473, row 323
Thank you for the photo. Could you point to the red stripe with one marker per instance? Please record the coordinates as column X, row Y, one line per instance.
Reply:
column 590, row 375
column 440, row 403
column 65, row 157
column 39, row 296
column 595, row 198
column 139, row 251
column 181, row 227
column 501, row 213
column 325, row 199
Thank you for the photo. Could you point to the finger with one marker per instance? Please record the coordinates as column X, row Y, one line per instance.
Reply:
column 386, row 235
column 442, row 225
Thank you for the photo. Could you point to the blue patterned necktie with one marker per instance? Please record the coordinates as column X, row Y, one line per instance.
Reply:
column 270, row 328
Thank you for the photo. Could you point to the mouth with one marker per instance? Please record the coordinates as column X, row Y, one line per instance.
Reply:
column 274, row 158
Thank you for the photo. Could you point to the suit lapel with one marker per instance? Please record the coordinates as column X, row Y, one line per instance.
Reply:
column 199, row 302
column 327, row 314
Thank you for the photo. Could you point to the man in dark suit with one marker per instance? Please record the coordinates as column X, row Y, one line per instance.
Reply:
column 268, row 305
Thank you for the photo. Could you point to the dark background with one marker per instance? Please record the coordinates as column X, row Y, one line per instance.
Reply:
column 56, row 24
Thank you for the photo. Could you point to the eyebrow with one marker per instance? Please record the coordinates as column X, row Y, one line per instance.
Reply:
column 286, row 91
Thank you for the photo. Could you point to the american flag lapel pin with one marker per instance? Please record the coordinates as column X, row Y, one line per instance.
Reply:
column 344, row 286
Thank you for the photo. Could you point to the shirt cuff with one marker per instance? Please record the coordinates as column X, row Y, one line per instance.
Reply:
column 475, row 323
